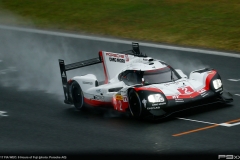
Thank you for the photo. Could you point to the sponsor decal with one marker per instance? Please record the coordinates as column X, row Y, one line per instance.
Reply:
column 176, row 82
column 119, row 97
column 125, row 99
column 176, row 98
column 84, row 82
column 158, row 104
column 155, row 104
column 127, row 58
column 185, row 90
column 144, row 101
column 179, row 100
column 63, row 74
column 149, row 108
column 163, row 103
column 117, row 60
column 115, row 55
column 98, row 90
column 120, row 105
column 201, row 91
column 115, row 102
column 112, row 59
column 97, row 97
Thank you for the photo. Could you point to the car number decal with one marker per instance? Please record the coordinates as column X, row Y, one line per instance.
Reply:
column 185, row 90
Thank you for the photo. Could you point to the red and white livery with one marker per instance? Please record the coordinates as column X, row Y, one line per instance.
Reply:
column 145, row 86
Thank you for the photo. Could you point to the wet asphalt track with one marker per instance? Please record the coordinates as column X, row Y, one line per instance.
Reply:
column 39, row 123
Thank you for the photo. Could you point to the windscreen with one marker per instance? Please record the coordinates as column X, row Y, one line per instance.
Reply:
column 159, row 76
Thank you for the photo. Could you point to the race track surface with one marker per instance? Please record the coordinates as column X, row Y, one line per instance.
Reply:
column 34, row 119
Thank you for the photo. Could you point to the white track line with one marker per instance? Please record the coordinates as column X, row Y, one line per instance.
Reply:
column 237, row 94
column 234, row 124
column 2, row 113
column 9, row 69
column 234, row 80
column 220, row 124
column 226, row 124
column 195, row 120
column 229, row 125
column 119, row 41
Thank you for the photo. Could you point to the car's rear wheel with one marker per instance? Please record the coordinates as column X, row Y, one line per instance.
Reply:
column 135, row 105
column 77, row 96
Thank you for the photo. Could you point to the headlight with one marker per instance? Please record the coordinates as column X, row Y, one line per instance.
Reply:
column 155, row 98
column 217, row 83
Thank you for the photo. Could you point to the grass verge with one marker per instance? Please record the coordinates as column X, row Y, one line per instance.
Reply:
column 208, row 23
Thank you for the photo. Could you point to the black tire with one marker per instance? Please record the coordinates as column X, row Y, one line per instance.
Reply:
column 77, row 96
column 135, row 105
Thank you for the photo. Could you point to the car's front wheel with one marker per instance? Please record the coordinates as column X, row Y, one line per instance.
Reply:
column 77, row 96
column 135, row 105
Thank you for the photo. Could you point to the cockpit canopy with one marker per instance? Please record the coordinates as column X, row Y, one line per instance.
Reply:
column 132, row 77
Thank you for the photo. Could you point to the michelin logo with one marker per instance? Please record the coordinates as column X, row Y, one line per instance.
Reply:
column 144, row 101
column 84, row 82
column 63, row 74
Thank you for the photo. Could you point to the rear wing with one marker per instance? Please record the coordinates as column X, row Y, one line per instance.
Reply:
column 63, row 68
column 68, row 67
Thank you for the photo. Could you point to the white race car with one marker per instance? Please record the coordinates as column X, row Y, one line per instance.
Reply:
column 145, row 86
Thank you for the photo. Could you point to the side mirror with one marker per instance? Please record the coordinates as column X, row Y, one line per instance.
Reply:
column 180, row 72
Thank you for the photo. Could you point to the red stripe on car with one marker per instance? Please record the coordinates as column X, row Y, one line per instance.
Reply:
column 148, row 89
column 192, row 95
column 93, row 102
column 196, row 93
column 209, row 78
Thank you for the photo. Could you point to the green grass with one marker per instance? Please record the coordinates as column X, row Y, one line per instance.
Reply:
column 207, row 23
